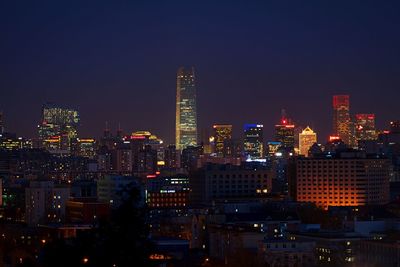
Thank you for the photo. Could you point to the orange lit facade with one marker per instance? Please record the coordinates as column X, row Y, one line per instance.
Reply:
column 167, row 192
column 349, row 181
column 168, row 199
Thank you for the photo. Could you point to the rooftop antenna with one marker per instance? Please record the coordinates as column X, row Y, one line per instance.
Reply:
column 283, row 116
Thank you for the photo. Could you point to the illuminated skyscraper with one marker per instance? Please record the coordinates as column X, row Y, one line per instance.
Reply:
column 186, row 111
column 86, row 147
column 365, row 127
column 58, row 127
column 223, row 139
column 341, row 118
column 284, row 133
column 306, row 139
column 253, row 144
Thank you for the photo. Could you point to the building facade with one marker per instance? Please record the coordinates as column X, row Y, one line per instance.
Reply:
column 167, row 192
column 186, row 108
column 341, row 118
column 45, row 203
column 284, row 133
column 365, row 127
column 223, row 140
column 347, row 179
column 235, row 182
column 111, row 188
column 306, row 139
column 253, row 144
column 58, row 128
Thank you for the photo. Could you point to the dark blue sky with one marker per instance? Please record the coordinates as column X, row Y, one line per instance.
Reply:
column 116, row 61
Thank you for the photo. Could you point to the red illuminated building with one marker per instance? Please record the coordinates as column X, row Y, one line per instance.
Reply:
column 365, row 127
column 341, row 118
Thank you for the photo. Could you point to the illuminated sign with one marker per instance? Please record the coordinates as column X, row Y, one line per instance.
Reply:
column 333, row 138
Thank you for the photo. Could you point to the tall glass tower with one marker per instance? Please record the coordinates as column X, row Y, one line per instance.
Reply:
column 253, row 145
column 341, row 118
column 58, row 127
column 186, row 110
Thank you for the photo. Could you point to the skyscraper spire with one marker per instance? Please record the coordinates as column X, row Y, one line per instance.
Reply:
column 119, row 130
column 106, row 130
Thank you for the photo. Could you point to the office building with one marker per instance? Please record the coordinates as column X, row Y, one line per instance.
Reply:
column 306, row 139
column 186, row 110
column 223, row 140
column 167, row 191
column 86, row 211
column 123, row 159
column 343, row 179
column 273, row 148
column 253, row 144
column 215, row 182
column 45, row 202
column 111, row 188
column 287, row 252
column 86, row 147
column 284, row 133
column 171, row 159
column 58, row 128
column 341, row 118
column 365, row 127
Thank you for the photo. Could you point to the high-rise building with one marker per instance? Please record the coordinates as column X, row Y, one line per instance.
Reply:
column 253, row 145
column 112, row 188
column 306, row 139
column 170, row 157
column 365, row 127
column 345, row 179
column 122, row 158
column 45, row 202
column 341, row 118
column 86, row 147
column 186, row 110
column 219, row 182
column 284, row 133
column 58, row 128
column 223, row 140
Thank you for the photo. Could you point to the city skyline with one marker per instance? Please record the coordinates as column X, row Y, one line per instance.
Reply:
column 199, row 133
column 252, row 63
column 236, row 129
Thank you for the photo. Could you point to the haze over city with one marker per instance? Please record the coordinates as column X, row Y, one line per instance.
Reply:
column 199, row 133
column 118, row 62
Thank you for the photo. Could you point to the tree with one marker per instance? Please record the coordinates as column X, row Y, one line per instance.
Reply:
column 119, row 241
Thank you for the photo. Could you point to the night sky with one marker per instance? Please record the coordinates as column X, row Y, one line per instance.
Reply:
column 116, row 61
